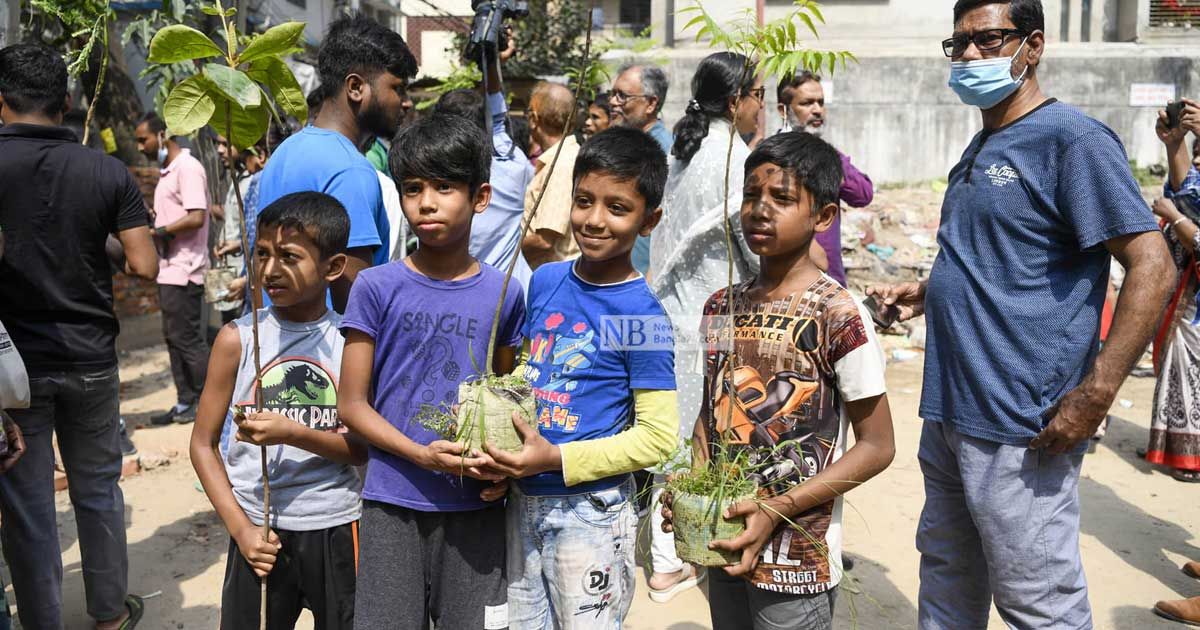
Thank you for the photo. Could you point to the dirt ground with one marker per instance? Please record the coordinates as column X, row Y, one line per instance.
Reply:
column 1138, row 523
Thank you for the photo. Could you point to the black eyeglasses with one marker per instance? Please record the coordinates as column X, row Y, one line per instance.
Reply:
column 989, row 40
column 759, row 93
column 620, row 98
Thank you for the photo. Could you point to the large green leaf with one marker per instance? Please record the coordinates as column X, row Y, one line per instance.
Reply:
column 189, row 106
column 177, row 43
column 276, row 41
column 277, row 76
column 248, row 125
column 234, row 84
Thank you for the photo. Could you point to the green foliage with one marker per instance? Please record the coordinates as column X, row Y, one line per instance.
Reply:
column 178, row 42
column 83, row 24
column 237, row 98
column 776, row 45
column 461, row 77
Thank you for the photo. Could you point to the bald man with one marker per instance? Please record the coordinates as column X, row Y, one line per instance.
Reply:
column 550, row 238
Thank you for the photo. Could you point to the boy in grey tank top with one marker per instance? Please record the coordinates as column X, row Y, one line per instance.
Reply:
column 315, row 490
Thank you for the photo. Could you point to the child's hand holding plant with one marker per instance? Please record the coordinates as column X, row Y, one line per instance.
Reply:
column 761, row 522
column 453, row 458
column 537, row 455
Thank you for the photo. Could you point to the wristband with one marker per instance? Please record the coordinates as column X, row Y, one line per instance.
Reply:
column 1176, row 222
column 162, row 233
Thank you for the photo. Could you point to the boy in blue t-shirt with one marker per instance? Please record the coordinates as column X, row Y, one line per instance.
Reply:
column 599, row 352
column 432, row 543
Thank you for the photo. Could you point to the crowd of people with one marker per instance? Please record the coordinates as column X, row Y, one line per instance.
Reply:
column 380, row 241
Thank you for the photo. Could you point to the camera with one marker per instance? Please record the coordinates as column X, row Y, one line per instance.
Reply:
column 487, row 29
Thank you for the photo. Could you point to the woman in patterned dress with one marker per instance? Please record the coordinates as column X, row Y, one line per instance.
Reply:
column 1175, row 426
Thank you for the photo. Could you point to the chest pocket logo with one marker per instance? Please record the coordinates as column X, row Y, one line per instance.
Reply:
column 1002, row 176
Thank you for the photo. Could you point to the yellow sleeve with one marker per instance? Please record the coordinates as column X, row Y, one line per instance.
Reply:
column 651, row 440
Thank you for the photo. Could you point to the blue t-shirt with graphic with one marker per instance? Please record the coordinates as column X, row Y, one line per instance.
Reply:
column 591, row 346
column 1014, row 297
column 430, row 336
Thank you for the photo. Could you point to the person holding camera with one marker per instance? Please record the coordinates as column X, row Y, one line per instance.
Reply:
column 496, row 234
column 1177, row 345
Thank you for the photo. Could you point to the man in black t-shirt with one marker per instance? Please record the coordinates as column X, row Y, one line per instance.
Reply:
column 61, row 202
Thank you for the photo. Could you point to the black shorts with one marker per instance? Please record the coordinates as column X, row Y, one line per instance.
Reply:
column 314, row 570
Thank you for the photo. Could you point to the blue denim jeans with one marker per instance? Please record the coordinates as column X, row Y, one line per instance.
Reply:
column 570, row 559
column 1000, row 525
column 81, row 408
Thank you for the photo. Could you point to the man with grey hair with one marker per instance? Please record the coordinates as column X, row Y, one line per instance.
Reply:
column 636, row 100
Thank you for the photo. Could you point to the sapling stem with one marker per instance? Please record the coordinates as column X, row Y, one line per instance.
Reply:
column 91, row 112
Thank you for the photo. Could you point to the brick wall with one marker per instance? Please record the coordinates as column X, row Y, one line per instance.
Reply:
column 135, row 296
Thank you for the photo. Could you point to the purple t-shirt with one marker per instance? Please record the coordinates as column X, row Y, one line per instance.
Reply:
column 857, row 192
column 430, row 335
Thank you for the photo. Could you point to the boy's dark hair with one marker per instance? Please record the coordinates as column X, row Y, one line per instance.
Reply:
column 153, row 123
column 442, row 147
column 626, row 153
column 33, row 78
column 814, row 163
column 602, row 101
column 462, row 102
column 356, row 44
column 320, row 216
column 1026, row 15
column 783, row 92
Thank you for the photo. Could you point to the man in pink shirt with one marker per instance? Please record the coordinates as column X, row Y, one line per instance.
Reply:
column 181, row 232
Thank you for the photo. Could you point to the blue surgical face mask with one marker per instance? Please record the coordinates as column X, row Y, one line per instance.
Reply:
column 162, row 151
column 987, row 82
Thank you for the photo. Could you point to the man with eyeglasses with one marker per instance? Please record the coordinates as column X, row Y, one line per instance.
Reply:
column 1014, row 386
column 637, row 98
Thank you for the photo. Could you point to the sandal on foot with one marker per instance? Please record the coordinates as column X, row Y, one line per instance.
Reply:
column 1191, row 569
column 137, row 608
column 692, row 578
column 1180, row 611
column 1186, row 476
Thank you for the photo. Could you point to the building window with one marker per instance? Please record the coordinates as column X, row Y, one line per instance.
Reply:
column 1180, row 14
column 303, row 4
column 635, row 15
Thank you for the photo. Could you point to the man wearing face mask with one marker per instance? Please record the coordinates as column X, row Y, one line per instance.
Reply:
column 181, row 233
column 1014, row 385
column 802, row 108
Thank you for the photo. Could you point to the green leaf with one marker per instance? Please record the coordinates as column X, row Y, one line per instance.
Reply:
column 809, row 23
column 249, row 125
column 276, row 41
column 286, row 91
column 189, row 106
column 213, row 11
column 181, row 43
column 234, row 84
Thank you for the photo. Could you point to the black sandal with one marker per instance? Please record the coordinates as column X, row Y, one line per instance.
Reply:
column 1186, row 476
column 137, row 608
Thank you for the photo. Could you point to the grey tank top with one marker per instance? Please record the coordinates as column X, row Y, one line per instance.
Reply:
column 301, row 364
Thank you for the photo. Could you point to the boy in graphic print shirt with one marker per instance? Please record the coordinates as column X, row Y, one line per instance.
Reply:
column 596, row 367
column 808, row 366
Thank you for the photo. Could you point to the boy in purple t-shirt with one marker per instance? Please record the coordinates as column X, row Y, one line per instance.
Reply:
column 432, row 541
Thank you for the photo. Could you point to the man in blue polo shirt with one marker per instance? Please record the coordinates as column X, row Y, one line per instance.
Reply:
column 365, row 68
column 1014, row 384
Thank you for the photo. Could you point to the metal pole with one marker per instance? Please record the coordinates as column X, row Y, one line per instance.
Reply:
column 669, row 25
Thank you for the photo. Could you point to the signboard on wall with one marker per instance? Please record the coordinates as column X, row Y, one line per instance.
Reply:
column 1151, row 94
